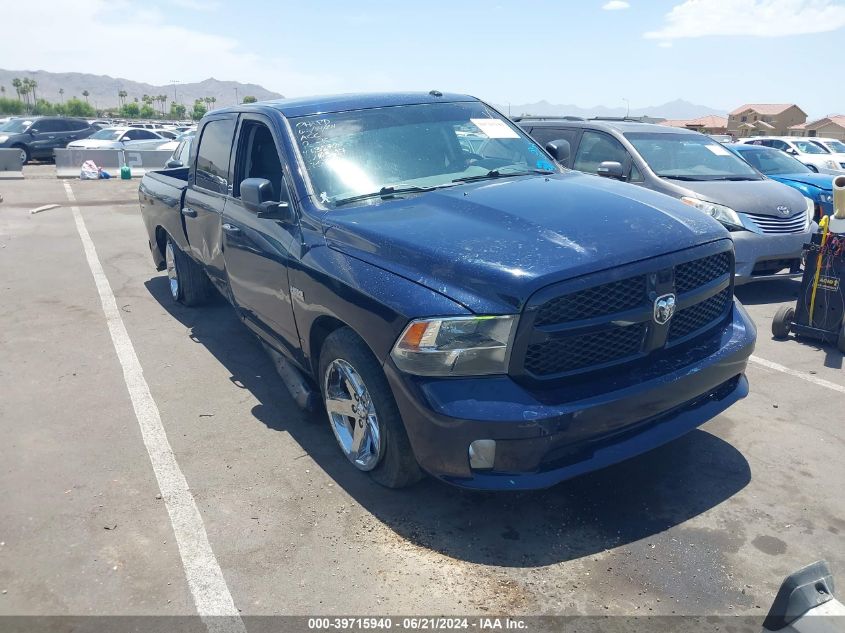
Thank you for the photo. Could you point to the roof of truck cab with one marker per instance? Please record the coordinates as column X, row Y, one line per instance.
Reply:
column 304, row 106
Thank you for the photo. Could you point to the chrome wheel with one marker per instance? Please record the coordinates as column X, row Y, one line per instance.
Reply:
column 352, row 415
column 23, row 157
column 172, row 275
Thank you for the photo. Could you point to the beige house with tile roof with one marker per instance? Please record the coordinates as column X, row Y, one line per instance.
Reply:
column 831, row 126
column 711, row 124
column 765, row 119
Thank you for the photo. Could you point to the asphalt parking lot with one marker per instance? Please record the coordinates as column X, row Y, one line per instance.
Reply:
column 709, row 524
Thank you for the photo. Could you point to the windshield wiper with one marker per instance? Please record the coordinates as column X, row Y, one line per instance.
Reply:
column 387, row 192
column 685, row 178
column 736, row 178
column 495, row 173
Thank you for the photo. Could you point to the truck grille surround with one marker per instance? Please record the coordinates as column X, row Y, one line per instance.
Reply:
column 582, row 326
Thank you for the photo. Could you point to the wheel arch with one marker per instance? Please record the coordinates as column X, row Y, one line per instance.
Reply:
column 321, row 329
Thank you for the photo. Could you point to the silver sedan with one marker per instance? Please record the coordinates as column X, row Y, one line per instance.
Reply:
column 120, row 138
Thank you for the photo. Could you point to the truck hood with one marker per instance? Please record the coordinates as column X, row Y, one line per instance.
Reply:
column 761, row 197
column 820, row 181
column 490, row 245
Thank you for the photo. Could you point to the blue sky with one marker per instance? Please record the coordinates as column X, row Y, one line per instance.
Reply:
column 720, row 53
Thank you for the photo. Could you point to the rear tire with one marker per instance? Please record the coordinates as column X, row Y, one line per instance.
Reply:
column 189, row 285
column 840, row 341
column 782, row 322
column 390, row 460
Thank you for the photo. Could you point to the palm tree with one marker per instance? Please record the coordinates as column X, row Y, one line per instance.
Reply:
column 33, row 84
column 62, row 95
column 16, row 83
column 121, row 96
column 25, row 89
column 3, row 91
column 213, row 101
column 85, row 94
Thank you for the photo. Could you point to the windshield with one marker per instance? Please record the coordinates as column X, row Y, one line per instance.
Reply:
column 808, row 147
column 834, row 146
column 689, row 157
column 349, row 154
column 106, row 135
column 773, row 162
column 16, row 126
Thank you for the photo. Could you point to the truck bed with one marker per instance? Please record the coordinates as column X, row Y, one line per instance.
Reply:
column 160, row 194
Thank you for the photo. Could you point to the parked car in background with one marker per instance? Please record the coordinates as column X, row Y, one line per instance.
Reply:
column 37, row 137
column 180, row 155
column 147, row 126
column 120, row 138
column 722, row 138
column 165, row 133
column 779, row 166
column 832, row 145
column 483, row 317
column 769, row 222
column 814, row 156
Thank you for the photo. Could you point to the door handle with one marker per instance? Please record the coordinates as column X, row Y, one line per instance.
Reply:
column 188, row 212
column 230, row 228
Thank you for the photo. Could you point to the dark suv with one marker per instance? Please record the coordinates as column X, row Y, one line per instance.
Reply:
column 37, row 137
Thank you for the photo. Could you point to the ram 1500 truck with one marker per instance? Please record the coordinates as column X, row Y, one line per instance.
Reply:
column 469, row 310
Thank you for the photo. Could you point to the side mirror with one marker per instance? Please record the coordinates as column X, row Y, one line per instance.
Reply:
column 33, row 131
column 559, row 149
column 257, row 196
column 611, row 169
column 173, row 163
column 813, row 168
column 792, row 152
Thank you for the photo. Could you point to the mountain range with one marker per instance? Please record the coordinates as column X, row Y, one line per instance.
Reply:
column 678, row 109
column 103, row 89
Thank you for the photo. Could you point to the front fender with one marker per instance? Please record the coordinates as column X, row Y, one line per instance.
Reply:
column 377, row 304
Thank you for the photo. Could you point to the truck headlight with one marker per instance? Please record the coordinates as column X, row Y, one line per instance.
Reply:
column 826, row 198
column 4, row 138
column 723, row 214
column 455, row 346
column 811, row 212
column 831, row 164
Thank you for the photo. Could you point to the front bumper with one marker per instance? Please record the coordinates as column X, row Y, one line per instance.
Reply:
column 754, row 250
column 550, row 434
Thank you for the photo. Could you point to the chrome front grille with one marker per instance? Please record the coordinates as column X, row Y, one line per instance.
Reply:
column 773, row 224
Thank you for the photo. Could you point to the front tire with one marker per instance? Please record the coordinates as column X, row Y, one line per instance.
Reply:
column 362, row 412
column 782, row 322
column 189, row 285
column 840, row 341
column 25, row 156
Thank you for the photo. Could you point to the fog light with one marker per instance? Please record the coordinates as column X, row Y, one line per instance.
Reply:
column 482, row 454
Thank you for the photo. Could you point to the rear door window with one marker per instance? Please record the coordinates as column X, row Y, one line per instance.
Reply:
column 49, row 125
column 213, row 153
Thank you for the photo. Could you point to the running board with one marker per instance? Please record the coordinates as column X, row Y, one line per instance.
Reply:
column 300, row 390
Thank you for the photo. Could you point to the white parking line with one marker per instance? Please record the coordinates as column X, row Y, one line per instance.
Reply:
column 821, row 382
column 205, row 579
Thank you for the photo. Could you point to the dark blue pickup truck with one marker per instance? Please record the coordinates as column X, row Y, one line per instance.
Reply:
column 459, row 304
